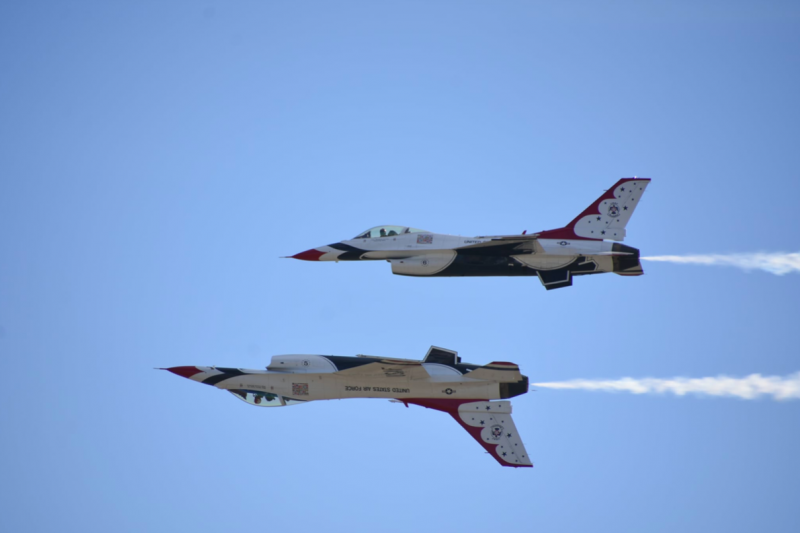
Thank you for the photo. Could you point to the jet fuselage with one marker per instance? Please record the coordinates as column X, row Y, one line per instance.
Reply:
column 440, row 382
column 589, row 244
column 298, row 378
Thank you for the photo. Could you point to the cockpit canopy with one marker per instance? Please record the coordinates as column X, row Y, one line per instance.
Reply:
column 387, row 231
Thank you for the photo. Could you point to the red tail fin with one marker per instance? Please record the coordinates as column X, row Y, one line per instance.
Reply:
column 607, row 216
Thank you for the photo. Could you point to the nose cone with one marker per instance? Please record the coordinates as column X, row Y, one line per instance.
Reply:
column 309, row 255
column 184, row 371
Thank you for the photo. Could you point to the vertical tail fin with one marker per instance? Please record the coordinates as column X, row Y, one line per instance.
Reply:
column 607, row 216
column 489, row 423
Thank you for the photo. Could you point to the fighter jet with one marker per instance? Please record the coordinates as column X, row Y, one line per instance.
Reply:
column 440, row 381
column 590, row 244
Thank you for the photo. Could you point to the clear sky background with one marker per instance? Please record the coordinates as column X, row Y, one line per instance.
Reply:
column 157, row 158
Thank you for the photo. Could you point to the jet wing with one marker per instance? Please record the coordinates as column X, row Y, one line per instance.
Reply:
column 489, row 423
column 501, row 246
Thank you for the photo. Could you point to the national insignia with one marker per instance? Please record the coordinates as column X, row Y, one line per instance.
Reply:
column 497, row 431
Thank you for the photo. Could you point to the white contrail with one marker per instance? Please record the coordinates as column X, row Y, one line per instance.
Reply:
column 748, row 388
column 775, row 263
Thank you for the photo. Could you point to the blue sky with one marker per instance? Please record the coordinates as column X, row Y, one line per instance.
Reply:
column 157, row 159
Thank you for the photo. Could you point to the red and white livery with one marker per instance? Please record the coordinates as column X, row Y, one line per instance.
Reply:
column 589, row 244
column 440, row 381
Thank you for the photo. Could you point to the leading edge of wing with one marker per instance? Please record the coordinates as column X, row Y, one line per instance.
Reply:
column 489, row 423
column 498, row 247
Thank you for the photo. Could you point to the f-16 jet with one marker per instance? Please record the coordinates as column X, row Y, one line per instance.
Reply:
column 589, row 244
column 440, row 381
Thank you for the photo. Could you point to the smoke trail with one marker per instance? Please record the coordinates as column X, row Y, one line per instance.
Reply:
column 775, row 263
column 748, row 388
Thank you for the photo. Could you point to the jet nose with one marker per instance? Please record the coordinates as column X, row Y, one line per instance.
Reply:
column 309, row 255
column 184, row 371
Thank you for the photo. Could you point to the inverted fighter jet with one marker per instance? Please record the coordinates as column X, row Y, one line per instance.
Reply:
column 440, row 381
column 590, row 244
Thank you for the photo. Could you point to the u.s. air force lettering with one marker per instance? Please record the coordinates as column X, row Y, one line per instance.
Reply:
column 354, row 388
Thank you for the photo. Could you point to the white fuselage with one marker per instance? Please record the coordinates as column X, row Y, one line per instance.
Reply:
column 313, row 377
column 589, row 244
column 431, row 253
column 409, row 245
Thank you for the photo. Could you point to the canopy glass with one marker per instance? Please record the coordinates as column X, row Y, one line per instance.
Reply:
column 387, row 231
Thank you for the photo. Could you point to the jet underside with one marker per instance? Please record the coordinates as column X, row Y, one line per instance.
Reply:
column 440, row 382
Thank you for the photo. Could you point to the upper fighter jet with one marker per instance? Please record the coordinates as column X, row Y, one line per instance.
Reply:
column 587, row 245
column 440, row 381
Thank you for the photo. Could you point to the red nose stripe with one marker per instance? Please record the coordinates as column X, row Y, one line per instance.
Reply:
column 309, row 255
column 185, row 371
